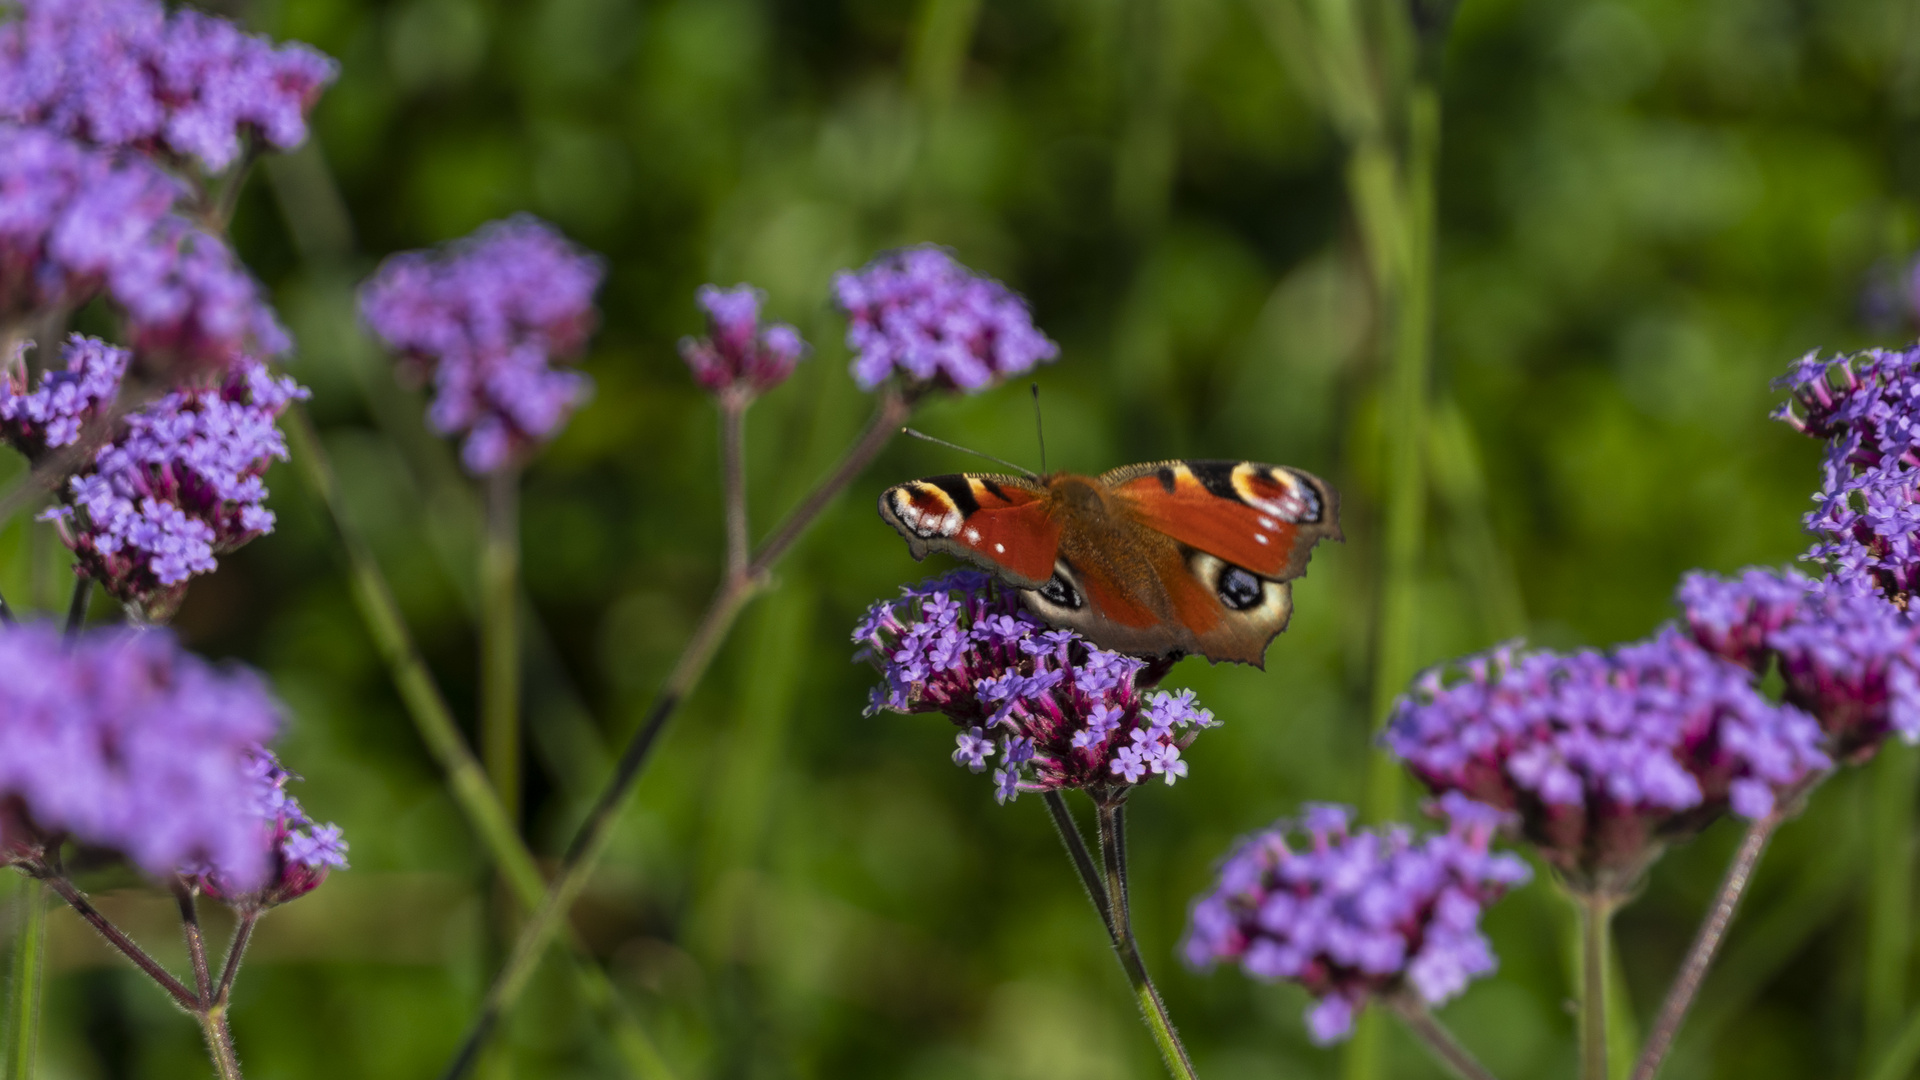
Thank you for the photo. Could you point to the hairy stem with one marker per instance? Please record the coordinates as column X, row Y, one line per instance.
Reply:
column 196, row 940
column 583, row 853
column 213, row 1024
column 1596, row 945
column 237, row 948
column 733, row 477
column 1113, row 844
column 1436, row 1038
column 1713, row 930
column 28, row 981
column 77, row 607
column 78, row 901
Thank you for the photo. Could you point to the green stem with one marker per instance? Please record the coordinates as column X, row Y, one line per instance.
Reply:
column 500, row 639
column 435, row 724
column 1596, row 946
column 29, row 981
column 1889, row 897
column 213, row 1024
column 1113, row 847
column 583, row 854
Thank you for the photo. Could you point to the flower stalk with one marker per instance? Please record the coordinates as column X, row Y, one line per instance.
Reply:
column 1153, row 1010
column 590, row 840
column 28, row 981
column 1596, row 908
column 1434, row 1035
column 500, row 638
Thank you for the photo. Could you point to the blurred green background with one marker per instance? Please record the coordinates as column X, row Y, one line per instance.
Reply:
column 1647, row 209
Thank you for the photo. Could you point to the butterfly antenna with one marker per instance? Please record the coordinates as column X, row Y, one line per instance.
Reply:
column 1039, row 431
column 965, row 450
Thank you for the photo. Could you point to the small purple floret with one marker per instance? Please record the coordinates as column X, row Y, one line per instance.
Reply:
column 55, row 413
column 180, row 485
column 737, row 352
column 301, row 851
column 125, row 73
column 919, row 313
column 484, row 319
column 122, row 740
column 1604, row 756
column 1351, row 914
column 1055, row 711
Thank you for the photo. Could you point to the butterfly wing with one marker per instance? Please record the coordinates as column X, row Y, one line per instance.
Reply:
column 1263, row 518
column 999, row 522
column 1244, row 530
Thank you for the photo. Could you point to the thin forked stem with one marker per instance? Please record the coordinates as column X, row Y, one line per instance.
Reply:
column 589, row 842
column 1436, row 1038
column 733, row 476
column 1713, row 929
column 78, row 901
column 1113, row 844
column 213, row 1025
column 196, row 940
column 1076, row 846
column 500, row 638
column 77, row 607
column 29, row 981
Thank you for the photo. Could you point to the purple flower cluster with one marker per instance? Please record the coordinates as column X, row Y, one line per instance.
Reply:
column 1867, row 409
column 301, row 851
column 1350, row 914
column 483, row 319
column 1605, row 755
column 76, row 222
column 918, row 312
column 737, row 352
column 55, row 413
column 1853, row 661
column 125, row 73
column 120, row 739
column 1045, row 708
column 181, row 484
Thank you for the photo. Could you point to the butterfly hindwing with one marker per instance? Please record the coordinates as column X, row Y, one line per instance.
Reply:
column 1000, row 522
column 1264, row 518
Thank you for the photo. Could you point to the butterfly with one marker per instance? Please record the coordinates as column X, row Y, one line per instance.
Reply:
column 1166, row 558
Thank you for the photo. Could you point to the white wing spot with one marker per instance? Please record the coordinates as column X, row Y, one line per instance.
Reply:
column 1262, row 537
column 973, row 535
column 1000, row 549
column 1269, row 523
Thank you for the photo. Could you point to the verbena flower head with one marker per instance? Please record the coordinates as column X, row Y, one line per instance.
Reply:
column 181, row 485
column 301, row 852
column 1867, row 409
column 120, row 739
column 1853, row 661
column 920, row 313
column 1042, row 708
column 1605, row 756
column 67, row 399
column 737, row 351
column 484, row 319
column 126, row 73
column 76, row 222
column 1352, row 914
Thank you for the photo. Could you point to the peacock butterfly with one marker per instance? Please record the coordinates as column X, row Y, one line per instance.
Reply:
column 1166, row 558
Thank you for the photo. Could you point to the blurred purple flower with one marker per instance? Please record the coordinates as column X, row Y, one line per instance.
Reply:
column 1853, row 661
column 125, row 73
column 55, row 413
column 1351, row 914
column 301, row 851
column 1052, row 711
column 181, row 484
column 1605, row 756
column 483, row 319
column 737, row 352
column 918, row 312
column 1866, row 407
column 76, row 222
column 120, row 739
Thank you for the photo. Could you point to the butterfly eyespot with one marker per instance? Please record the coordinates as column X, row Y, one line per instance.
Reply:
column 1239, row 590
column 1060, row 594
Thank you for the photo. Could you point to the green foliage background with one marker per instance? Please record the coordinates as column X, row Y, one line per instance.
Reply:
column 1647, row 209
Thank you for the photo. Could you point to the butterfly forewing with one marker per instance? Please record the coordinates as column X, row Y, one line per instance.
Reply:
column 1000, row 522
column 1265, row 518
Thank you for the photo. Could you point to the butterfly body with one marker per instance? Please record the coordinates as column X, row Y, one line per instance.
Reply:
column 1170, row 557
